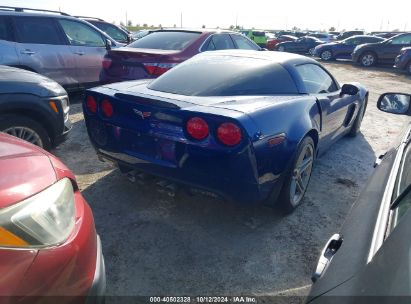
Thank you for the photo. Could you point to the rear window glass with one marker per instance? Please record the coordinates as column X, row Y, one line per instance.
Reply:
column 226, row 76
column 166, row 40
column 37, row 30
column 259, row 34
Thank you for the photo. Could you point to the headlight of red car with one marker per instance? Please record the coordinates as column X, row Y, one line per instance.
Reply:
column 43, row 220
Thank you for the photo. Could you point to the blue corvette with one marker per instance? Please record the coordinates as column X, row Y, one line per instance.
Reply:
column 343, row 49
column 245, row 125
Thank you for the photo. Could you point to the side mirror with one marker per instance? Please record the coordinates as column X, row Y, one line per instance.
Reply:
column 349, row 89
column 395, row 103
column 129, row 38
column 108, row 44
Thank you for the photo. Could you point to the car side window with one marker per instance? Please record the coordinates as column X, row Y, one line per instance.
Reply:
column 5, row 30
column 316, row 79
column 80, row 34
column 404, row 39
column 219, row 42
column 402, row 182
column 243, row 43
column 37, row 30
column 112, row 31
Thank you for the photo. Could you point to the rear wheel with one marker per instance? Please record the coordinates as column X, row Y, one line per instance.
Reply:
column 368, row 59
column 296, row 182
column 281, row 48
column 326, row 55
column 26, row 129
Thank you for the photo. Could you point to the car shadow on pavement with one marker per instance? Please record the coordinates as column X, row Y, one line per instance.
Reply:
column 191, row 245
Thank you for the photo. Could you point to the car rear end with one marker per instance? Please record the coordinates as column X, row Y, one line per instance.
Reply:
column 201, row 147
column 151, row 56
column 48, row 243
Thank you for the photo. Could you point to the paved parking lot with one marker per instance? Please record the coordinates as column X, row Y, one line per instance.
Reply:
column 157, row 245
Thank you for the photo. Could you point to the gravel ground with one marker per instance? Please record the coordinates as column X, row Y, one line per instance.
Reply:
column 156, row 245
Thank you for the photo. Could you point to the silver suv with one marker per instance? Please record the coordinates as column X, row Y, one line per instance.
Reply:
column 63, row 48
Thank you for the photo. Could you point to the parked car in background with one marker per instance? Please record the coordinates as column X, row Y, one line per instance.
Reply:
column 342, row 49
column 271, row 43
column 140, row 34
column 48, row 242
column 403, row 60
column 368, row 261
column 258, row 37
column 115, row 32
column 386, row 35
column 33, row 107
column 347, row 34
column 323, row 36
column 303, row 45
column 156, row 53
column 54, row 44
column 381, row 52
column 255, row 121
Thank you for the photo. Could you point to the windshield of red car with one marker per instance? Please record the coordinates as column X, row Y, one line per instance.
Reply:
column 166, row 40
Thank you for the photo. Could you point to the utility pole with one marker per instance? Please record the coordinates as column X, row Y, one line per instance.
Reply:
column 181, row 19
column 236, row 20
column 126, row 19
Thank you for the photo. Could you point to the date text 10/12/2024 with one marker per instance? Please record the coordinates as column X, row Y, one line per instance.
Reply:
column 203, row 299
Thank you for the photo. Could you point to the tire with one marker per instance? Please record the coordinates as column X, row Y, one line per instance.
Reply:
column 368, row 59
column 288, row 199
column 26, row 129
column 355, row 128
column 326, row 55
column 311, row 51
column 408, row 68
column 281, row 48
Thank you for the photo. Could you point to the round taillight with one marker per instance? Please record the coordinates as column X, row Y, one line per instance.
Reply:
column 229, row 134
column 197, row 128
column 91, row 104
column 107, row 108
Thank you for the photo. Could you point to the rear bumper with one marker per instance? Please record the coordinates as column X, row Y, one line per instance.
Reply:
column 227, row 188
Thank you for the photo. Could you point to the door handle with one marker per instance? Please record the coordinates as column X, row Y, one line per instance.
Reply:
column 80, row 53
column 27, row 52
column 332, row 246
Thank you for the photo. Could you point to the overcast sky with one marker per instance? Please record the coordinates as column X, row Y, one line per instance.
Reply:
column 260, row 14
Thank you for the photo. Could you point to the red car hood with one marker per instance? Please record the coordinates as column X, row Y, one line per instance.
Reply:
column 25, row 170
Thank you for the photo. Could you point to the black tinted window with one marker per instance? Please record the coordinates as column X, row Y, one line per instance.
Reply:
column 315, row 79
column 37, row 30
column 219, row 42
column 5, row 30
column 226, row 76
column 165, row 40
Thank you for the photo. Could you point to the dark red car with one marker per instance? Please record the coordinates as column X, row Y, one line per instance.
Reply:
column 48, row 242
column 156, row 53
column 271, row 43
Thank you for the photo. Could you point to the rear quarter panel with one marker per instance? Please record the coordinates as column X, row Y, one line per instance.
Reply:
column 293, row 117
